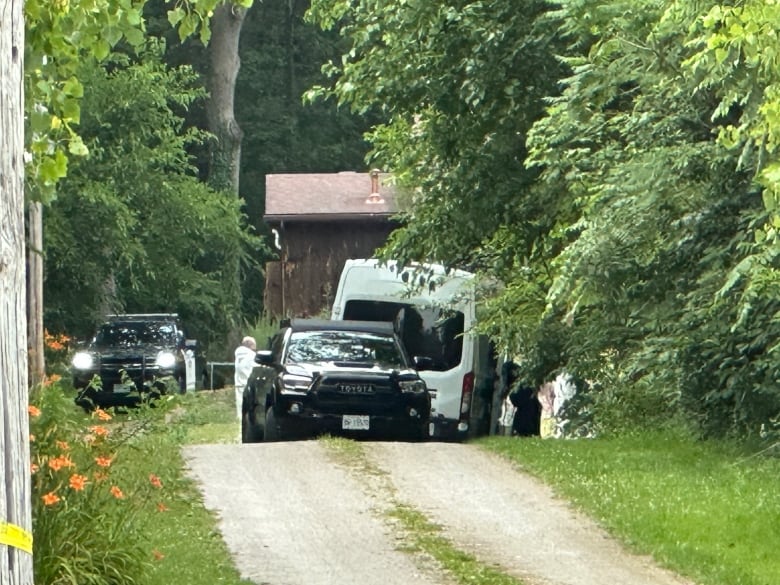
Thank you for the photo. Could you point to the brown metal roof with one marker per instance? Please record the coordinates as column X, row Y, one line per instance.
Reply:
column 307, row 196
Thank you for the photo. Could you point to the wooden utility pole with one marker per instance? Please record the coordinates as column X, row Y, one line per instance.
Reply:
column 16, row 566
column 37, row 364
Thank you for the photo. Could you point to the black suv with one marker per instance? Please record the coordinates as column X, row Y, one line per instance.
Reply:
column 350, row 378
column 132, row 357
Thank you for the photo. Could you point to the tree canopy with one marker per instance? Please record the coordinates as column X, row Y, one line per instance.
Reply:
column 611, row 164
column 133, row 229
column 129, row 226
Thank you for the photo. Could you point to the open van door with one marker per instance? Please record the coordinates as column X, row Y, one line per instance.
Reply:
column 434, row 321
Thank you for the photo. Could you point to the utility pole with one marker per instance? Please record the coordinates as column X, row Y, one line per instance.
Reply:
column 16, row 566
column 37, row 364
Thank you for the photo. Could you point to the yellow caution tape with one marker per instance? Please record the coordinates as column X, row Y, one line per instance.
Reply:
column 16, row 536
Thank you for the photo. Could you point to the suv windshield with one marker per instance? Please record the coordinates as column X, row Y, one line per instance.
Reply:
column 131, row 334
column 345, row 346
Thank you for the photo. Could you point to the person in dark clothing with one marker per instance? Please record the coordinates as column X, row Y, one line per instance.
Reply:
column 526, row 420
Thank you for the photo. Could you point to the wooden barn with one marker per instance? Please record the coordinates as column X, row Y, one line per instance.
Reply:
column 318, row 221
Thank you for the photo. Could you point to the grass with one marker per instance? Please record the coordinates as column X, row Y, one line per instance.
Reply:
column 706, row 510
column 188, row 546
column 709, row 511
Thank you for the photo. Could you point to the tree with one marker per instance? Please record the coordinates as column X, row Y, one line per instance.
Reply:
column 598, row 159
column 224, row 63
column 460, row 85
column 15, row 511
column 133, row 229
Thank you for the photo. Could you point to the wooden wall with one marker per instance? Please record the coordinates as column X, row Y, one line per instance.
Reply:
column 303, row 282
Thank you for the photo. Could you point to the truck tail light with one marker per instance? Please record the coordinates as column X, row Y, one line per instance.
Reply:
column 465, row 397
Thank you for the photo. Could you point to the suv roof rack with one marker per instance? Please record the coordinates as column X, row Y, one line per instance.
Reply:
column 341, row 325
column 143, row 316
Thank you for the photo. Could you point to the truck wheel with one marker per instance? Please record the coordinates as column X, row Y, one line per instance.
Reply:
column 250, row 432
column 271, row 427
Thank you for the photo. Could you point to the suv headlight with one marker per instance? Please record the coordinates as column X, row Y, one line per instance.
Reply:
column 82, row 360
column 165, row 360
column 412, row 386
column 294, row 383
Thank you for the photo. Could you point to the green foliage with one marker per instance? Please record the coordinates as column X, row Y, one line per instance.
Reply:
column 705, row 509
column 263, row 330
column 154, row 530
column 61, row 37
column 663, row 212
column 460, row 85
column 280, row 59
column 133, row 228
column 86, row 498
column 609, row 163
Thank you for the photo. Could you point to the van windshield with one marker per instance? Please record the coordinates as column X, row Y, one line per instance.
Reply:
column 428, row 331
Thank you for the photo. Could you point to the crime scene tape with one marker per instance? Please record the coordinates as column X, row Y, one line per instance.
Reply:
column 16, row 536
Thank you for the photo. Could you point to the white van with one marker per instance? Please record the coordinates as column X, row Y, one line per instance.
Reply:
column 434, row 320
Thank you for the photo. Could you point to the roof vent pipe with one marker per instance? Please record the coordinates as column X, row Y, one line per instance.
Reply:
column 374, row 198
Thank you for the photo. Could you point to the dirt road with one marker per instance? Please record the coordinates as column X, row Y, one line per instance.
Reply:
column 293, row 514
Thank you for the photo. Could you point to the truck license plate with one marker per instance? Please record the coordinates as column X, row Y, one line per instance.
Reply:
column 354, row 422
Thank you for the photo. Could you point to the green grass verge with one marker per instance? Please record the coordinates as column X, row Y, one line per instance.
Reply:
column 187, row 543
column 706, row 510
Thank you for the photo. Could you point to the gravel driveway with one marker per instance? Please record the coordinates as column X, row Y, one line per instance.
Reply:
column 290, row 515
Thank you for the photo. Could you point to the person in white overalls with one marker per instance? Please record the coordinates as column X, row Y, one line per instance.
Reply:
column 244, row 363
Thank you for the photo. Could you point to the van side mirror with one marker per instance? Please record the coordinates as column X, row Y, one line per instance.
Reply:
column 264, row 357
column 422, row 362
column 191, row 344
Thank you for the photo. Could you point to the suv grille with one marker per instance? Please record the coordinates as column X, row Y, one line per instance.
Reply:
column 138, row 368
column 350, row 394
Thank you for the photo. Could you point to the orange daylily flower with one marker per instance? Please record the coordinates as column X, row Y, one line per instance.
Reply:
column 33, row 411
column 63, row 445
column 53, row 379
column 58, row 463
column 155, row 481
column 158, row 555
column 100, row 476
column 78, row 482
column 32, row 438
column 103, row 461
column 50, row 499
column 116, row 492
column 102, row 414
column 161, row 507
column 55, row 342
column 100, row 431
column 34, row 468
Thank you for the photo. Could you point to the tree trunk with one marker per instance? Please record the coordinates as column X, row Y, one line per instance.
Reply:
column 223, row 69
column 35, row 293
column 225, row 161
column 16, row 567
